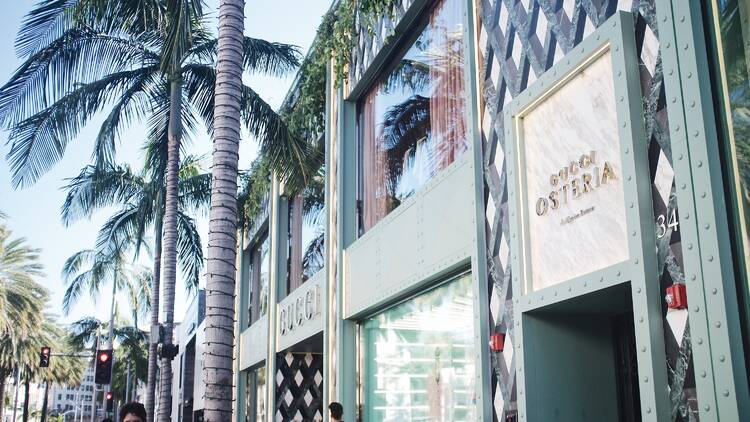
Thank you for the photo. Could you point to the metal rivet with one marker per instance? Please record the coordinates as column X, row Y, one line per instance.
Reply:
column 648, row 410
column 683, row 186
column 687, row 215
column 619, row 273
column 700, row 340
column 627, row 150
column 706, row 408
column 690, row 246
column 690, row 75
column 703, row 374
column 718, row 325
column 725, row 393
column 645, row 379
column 640, row 319
column 674, row 99
column 638, row 290
column 643, row 349
column 696, row 309
column 714, row 291
column 636, row 261
column 707, row 226
column 629, row 177
column 700, row 163
column 703, row 194
column 692, row 104
column 686, row 46
column 693, row 277
column 677, row 128
column 696, row 133
column 710, row 258
column 682, row 19
column 634, row 233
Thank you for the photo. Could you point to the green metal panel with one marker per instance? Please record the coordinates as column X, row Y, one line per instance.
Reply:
column 346, row 340
column 279, row 208
column 714, row 318
column 615, row 36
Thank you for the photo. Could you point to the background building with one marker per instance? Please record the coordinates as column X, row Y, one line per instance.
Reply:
column 73, row 401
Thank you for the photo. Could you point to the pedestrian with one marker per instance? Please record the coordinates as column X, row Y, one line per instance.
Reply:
column 337, row 412
column 132, row 412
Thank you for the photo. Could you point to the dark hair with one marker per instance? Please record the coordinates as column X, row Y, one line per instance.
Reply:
column 337, row 411
column 107, row 420
column 133, row 408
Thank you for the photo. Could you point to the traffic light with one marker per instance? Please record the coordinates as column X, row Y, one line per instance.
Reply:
column 103, row 373
column 44, row 357
column 110, row 401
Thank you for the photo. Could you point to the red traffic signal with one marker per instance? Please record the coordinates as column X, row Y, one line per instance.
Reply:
column 103, row 370
column 110, row 402
column 109, row 395
column 44, row 357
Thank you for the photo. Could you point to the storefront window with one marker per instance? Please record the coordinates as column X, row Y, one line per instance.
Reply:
column 418, row 358
column 413, row 122
column 259, row 277
column 731, row 43
column 255, row 395
column 306, row 235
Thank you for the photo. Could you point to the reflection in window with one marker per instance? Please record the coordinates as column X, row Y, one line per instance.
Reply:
column 419, row 358
column 255, row 395
column 733, row 42
column 259, row 278
column 306, row 233
column 413, row 122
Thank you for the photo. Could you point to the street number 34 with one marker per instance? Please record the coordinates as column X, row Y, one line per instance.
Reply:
column 663, row 224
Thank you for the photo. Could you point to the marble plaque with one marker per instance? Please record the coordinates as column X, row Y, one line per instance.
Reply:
column 573, row 189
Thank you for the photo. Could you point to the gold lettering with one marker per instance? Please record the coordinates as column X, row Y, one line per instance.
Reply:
column 608, row 173
column 541, row 206
column 586, row 182
column 584, row 162
column 575, row 189
column 554, row 202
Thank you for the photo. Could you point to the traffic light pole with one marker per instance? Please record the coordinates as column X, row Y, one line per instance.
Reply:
column 93, row 392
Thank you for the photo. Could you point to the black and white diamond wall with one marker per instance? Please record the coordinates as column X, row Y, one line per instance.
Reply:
column 299, row 387
column 519, row 40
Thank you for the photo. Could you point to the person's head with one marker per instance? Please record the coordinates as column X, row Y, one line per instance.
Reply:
column 337, row 411
column 107, row 420
column 132, row 412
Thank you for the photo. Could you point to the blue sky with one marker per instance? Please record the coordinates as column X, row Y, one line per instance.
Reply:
column 34, row 212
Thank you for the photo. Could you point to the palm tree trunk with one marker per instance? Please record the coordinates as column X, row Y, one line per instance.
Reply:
column 26, row 397
column 44, row 402
column 15, row 396
column 222, row 231
column 170, row 239
column 3, row 377
column 151, row 380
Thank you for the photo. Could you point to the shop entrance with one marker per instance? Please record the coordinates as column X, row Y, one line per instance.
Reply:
column 581, row 359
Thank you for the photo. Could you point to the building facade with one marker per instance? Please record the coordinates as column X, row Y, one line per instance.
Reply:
column 73, row 401
column 187, row 366
column 530, row 210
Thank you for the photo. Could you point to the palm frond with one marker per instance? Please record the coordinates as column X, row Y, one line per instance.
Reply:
column 189, row 250
column 40, row 141
column 182, row 15
column 95, row 188
column 78, row 57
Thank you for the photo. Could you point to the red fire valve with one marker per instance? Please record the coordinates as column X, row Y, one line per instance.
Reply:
column 676, row 296
column 497, row 342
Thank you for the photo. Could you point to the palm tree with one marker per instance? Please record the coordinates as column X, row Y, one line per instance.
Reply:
column 136, row 58
column 90, row 269
column 222, row 232
column 22, row 301
column 140, row 198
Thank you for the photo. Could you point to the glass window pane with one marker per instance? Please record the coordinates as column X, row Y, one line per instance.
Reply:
column 263, row 275
column 732, row 42
column 413, row 122
column 419, row 358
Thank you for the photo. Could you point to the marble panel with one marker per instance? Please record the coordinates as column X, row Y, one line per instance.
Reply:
column 576, row 220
